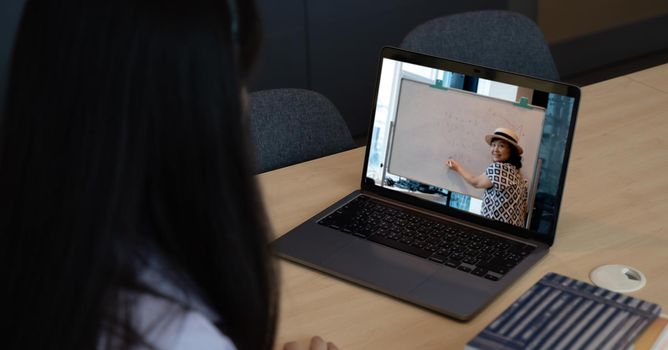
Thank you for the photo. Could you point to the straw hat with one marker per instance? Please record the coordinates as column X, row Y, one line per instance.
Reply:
column 507, row 135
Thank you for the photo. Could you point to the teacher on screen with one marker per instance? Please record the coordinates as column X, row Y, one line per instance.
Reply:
column 505, row 197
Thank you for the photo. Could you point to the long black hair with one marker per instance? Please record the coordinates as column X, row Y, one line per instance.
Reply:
column 124, row 129
column 515, row 157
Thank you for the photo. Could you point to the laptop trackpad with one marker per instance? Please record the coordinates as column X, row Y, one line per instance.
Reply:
column 380, row 267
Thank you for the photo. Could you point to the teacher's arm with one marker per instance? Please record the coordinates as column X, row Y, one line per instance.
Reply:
column 480, row 181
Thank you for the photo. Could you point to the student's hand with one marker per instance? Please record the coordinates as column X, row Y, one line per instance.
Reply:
column 316, row 344
column 452, row 164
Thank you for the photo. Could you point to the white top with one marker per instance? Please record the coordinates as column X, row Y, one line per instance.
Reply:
column 179, row 329
column 183, row 322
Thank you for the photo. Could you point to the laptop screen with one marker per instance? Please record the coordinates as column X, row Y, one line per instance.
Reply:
column 473, row 141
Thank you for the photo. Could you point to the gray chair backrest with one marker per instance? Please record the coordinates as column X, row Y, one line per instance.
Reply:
column 498, row 39
column 294, row 125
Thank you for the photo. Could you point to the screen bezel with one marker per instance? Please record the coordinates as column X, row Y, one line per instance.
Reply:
column 484, row 73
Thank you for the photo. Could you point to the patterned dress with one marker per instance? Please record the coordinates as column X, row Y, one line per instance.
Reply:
column 506, row 200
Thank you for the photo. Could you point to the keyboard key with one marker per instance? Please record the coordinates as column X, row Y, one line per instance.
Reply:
column 491, row 277
column 401, row 246
column 444, row 251
column 472, row 252
column 457, row 256
column 438, row 258
column 501, row 265
column 502, row 270
column 484, row 258
column 451, row 263
column 464, row 268
column 502, row 245
column 394, row 236
column 513, row 257
column 459, row 249
column 470, row 260
column 433, row 240
column 479, row 271
column 419, row 244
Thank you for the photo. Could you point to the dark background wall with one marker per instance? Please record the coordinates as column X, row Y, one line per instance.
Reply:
column 332, row 46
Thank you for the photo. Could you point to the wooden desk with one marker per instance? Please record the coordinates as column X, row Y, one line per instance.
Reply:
column 615, row 210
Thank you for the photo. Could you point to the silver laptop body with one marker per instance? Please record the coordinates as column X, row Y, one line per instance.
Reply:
column 415, row 228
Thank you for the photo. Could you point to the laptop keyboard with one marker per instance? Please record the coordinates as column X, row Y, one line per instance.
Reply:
column 452, row 245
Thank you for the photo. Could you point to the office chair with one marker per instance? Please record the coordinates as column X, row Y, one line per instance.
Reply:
column 293, row 125
column 498, row 39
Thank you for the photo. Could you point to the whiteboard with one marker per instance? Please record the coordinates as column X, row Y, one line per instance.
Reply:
column 435, row 124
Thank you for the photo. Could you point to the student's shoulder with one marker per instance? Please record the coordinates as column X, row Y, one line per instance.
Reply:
column 167, row 325
column 173, row 316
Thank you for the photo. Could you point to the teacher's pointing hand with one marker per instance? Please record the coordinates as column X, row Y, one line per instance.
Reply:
column 453, row 164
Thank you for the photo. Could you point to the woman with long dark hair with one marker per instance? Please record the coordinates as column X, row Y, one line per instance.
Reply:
column 128, row 215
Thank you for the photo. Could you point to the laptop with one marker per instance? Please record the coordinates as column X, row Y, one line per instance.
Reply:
column 416, row 229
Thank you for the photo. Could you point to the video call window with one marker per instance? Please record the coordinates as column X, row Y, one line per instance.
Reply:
column 431, row 124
